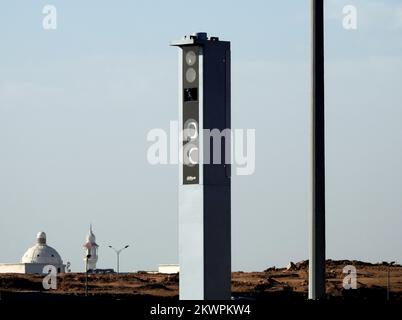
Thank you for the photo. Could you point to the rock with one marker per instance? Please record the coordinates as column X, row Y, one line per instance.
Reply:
column 291, row 266
column 302, row 265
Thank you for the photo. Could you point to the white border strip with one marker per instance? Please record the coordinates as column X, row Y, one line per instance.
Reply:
column 201, row 115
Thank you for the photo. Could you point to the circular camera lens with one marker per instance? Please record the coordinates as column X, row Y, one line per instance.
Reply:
column 193, row 156
column 190, row 131
column 190, row 156
column 191, row 58
column 191, row 75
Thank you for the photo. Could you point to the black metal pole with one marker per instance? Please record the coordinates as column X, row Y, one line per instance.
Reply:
column 389, row 279
column 86, row 278
column 388, row 283
column 118, row 262
column 317, row 245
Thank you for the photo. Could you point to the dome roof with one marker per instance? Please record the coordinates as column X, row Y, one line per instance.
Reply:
column 41, row 237
column 41, row 252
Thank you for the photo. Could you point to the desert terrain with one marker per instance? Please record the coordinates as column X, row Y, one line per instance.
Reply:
column 276, row 284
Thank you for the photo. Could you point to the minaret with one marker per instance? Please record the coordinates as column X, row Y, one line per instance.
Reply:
column 91, row 250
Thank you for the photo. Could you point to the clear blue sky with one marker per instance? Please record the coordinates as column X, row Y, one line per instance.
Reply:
column 76, row 105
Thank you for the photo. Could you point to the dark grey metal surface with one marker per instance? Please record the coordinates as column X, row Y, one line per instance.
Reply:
column 317, row 245
column 217, row 242
column 217, row 197
column 216, row 109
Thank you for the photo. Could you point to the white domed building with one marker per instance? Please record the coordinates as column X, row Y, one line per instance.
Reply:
column 36, row 258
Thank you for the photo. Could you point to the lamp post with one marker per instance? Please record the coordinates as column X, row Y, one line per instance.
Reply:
column 118, row 251
column 388, row 278
column 317, row 218
column 86, row 274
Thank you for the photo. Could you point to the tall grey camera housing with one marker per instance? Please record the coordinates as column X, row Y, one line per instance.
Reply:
column 204, row 184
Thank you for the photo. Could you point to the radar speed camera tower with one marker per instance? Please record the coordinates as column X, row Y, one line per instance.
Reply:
column 204, row 179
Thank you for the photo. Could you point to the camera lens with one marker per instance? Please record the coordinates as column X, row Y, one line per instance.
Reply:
column 191, row 58
column 191, row 75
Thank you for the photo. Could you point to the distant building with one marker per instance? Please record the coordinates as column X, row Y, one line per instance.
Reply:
column 91, row 251
column 168, row 268
column 35, row 259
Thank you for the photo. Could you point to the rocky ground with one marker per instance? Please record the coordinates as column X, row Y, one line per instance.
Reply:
column 275, row 283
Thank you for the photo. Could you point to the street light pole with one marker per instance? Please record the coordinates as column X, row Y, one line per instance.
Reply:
column 118, row 262
column 388, row 279
column 86, row 273
column 317, row 219
column 118, row 251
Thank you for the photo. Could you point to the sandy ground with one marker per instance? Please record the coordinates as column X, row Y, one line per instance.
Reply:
column 279, row 283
